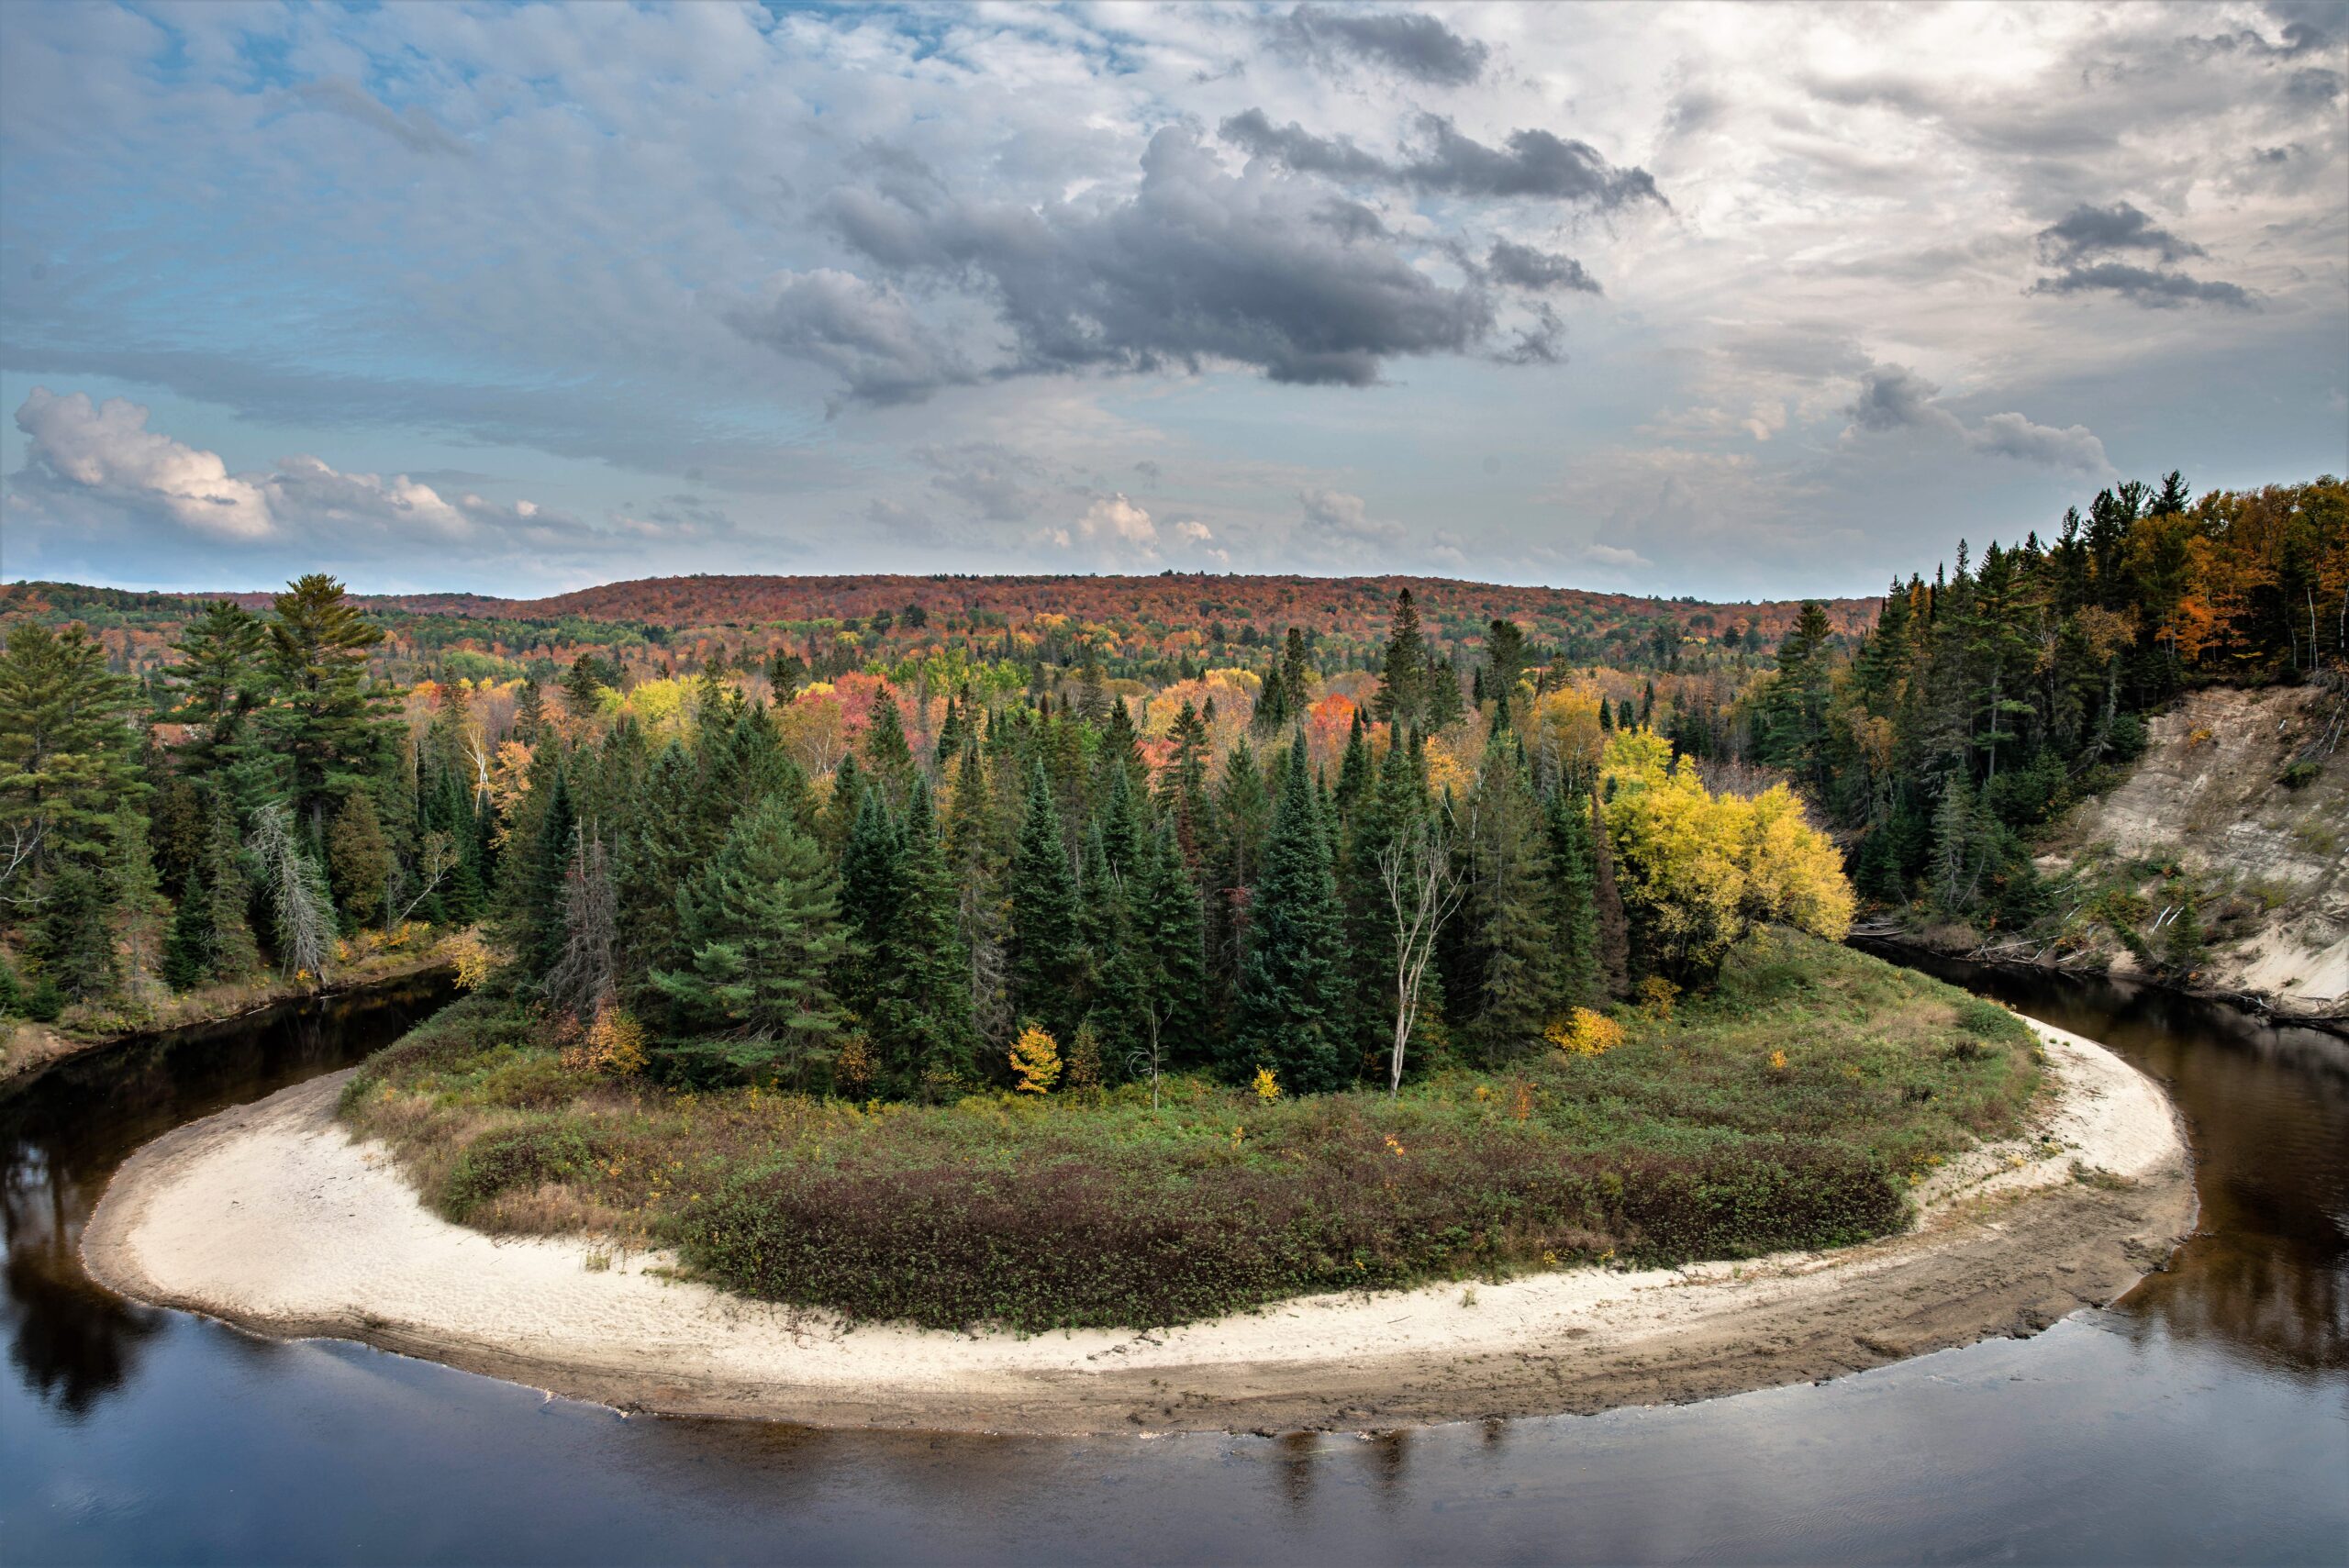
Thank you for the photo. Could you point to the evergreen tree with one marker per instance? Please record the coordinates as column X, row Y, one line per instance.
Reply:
column 187, row 955
column 1046, row 938
column 888, row 759
column 217, row 684
column 1512, row 985
column 75, row 940
column 537, row 908
column 922, row 1020
column 762, row 925
column 1609, row 919
column 359, row 862
column 1292, row 994
column 1573, row 900
column 1402, row 699
column 1169, row 935
column 329, row 724
column 228, row 896
column 65, row 752
column 583, row 690
column 658, row 851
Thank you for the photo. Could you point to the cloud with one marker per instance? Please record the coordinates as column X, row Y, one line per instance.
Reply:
column 1335, row 514
column 1533, row 163
column 987, row 476
column 2088, row 230
column 95, row 462
column 2010, row 435
column 1196, row 267
column 1407, row 42
column 1894, row 397
column 2146, row 287
column 106, row 451
column 1192, row 531
column 1524, row 266
column 862, row 332
column 1116, row 518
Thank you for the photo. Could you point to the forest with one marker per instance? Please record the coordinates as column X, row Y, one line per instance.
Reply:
column 941, row 849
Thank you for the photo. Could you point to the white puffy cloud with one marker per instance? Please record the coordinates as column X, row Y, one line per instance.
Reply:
column 106, row 450
column 1115, row 518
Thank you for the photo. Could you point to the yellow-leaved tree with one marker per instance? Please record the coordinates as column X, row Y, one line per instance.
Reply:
column 1036, row 1057
column 1699, row 870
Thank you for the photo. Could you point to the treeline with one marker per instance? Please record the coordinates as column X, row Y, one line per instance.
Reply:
column 1986, row 701
column 1480, row 857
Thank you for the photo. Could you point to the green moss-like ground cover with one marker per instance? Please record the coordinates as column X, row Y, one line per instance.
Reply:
column 1693, row 1139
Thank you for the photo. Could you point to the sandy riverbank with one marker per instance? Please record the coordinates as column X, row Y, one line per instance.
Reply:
column 270, row 1217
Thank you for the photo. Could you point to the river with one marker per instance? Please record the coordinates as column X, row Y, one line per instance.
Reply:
column 2205, row 1417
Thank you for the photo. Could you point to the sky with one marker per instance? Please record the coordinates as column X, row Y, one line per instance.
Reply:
column 1732, row 301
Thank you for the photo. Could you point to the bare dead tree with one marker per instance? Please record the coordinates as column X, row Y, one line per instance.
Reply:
column 299, row 902
column 587, row 976
column 433, row 867
column 1424, row 887
column 21, row 854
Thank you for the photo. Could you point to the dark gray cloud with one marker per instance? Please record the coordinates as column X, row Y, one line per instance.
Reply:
column 1894, row 397
column 1196, row 266
column 1527, row 267
column 2145, row 287
column 1408, row 43
column 2088, row 230
column 1534, row 163
column 862, row 332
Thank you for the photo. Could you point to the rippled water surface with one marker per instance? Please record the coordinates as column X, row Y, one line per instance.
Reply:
column 2204, row 1418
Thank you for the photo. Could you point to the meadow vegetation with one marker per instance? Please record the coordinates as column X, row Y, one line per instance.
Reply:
column 1791, row 1105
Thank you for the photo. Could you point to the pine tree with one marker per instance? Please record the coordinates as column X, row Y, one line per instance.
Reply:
column 1292, row 998
column 762, row 925
column 141, row 911
column 216, row 683
column 535, row 908
column 1046, row 938
column 331, row 728
column 66, row 752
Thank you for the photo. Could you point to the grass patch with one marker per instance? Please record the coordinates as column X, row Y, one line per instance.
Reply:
column 1792, row 1107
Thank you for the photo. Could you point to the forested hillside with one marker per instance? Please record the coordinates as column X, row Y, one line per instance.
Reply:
column 1303, row 825
column 1988, row 702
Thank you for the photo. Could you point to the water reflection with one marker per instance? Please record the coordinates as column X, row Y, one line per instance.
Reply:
column 71, row 1340
column 2202, row 1419
column 2267, row 1275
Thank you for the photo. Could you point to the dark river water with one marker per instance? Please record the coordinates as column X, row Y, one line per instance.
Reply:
column 2203, row 1418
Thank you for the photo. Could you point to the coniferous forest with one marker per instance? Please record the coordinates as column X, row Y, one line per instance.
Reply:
column 1336, row 859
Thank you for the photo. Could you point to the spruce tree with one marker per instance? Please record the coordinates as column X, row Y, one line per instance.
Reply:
column 1045, row 938
column 216, row 683
column 228, row 896
column 73, row 938
column 359, row 862
column 1403, row 671
column 761, row 925
column 658, row 853
column 66, row 753
column 1169, row 933
column 1516, row 953
column 1292, row 994
column 1611, row 921
column 187, row 953
column 888, row 760
column 921, row 1018
column 1573, row 900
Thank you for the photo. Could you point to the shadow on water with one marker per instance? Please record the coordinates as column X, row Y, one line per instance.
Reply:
column 2205, row 1417
column 63, row 1135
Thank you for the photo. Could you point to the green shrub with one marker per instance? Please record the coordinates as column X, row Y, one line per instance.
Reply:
column 521, row 1156
column 2300, row 775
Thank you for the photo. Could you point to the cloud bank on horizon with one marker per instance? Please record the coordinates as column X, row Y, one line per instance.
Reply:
column 1733, row 302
